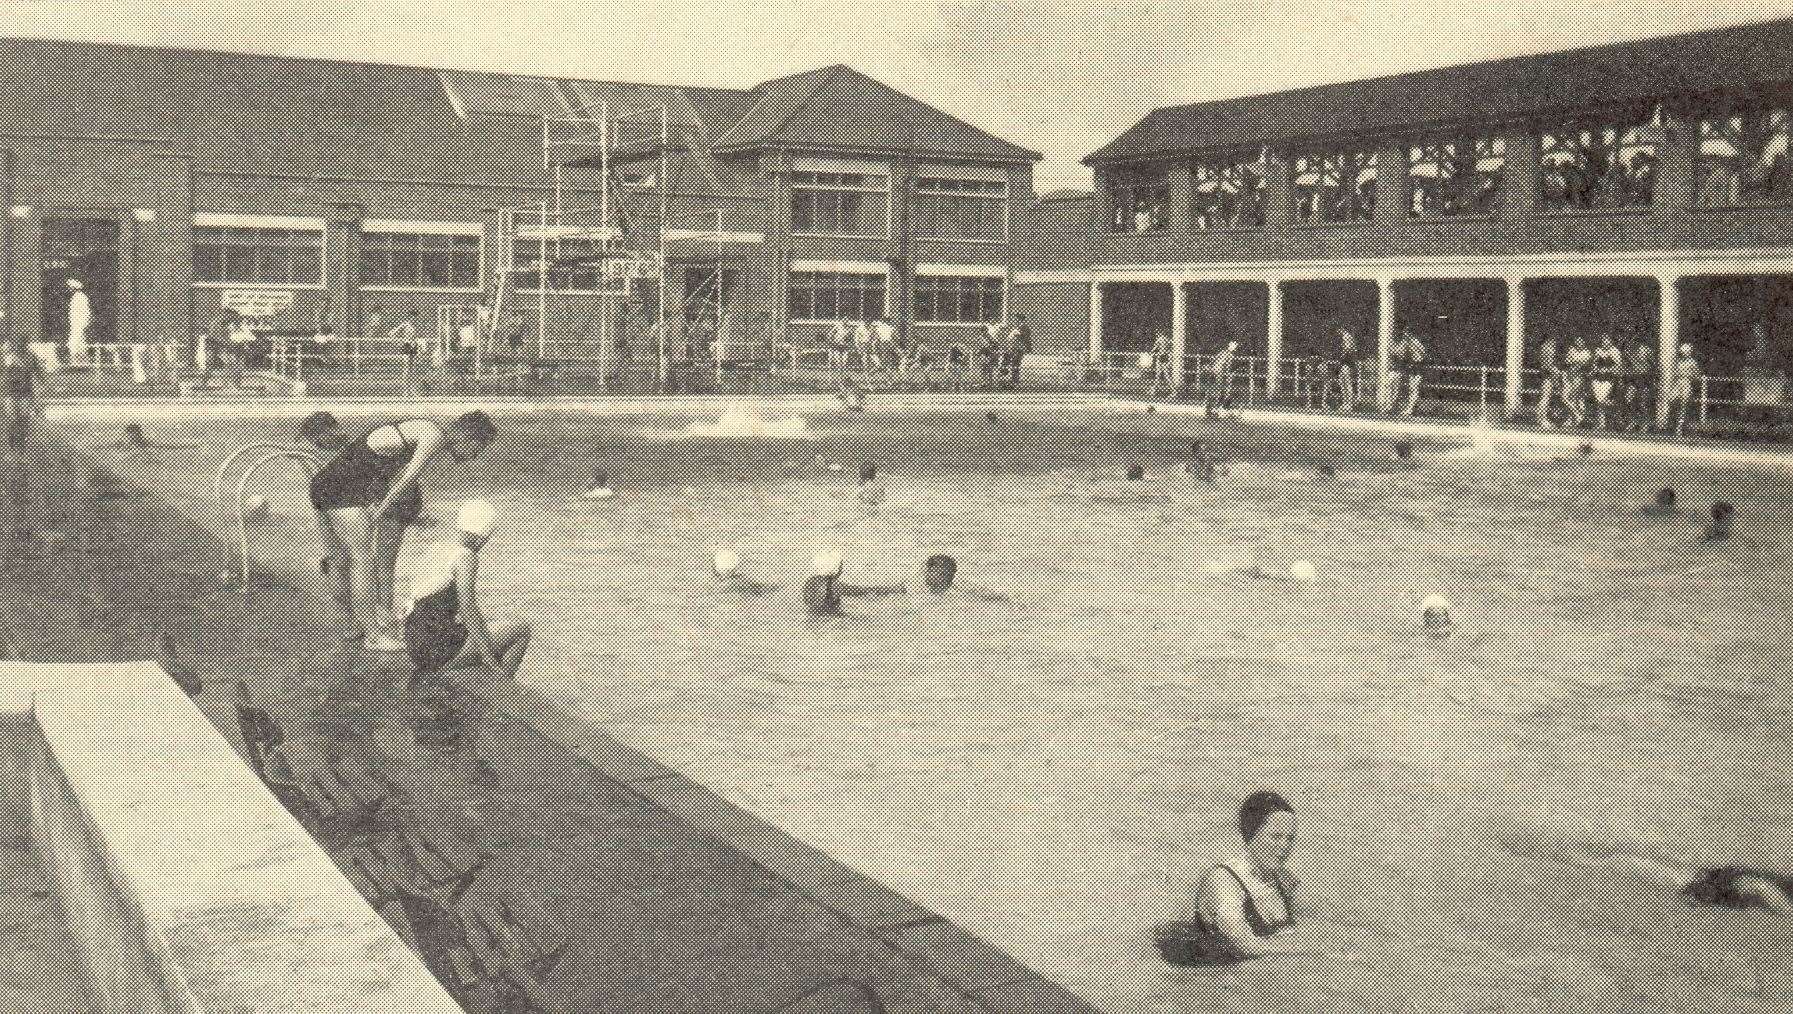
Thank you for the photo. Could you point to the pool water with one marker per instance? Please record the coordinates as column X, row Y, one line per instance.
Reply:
column 1496, row 821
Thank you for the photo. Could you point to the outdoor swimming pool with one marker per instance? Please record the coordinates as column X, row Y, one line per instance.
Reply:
column 1503, row 817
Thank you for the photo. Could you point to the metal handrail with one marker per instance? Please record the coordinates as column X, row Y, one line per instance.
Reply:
column 312, row 465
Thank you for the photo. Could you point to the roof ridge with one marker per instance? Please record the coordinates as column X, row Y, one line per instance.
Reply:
column 766, row 92
column 1475, row 64
column 337, row 62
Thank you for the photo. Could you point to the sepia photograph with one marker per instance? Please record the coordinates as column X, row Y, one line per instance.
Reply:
column 939, row 507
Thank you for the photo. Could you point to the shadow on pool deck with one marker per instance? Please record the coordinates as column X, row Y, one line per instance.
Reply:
column 534, row 863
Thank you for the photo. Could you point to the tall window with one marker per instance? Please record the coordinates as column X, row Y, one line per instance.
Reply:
column 1598, row 165
column 1743, row 158
column 1139, row 202
column 954, row 299
column 1229, row 194
column 960, row 209
column 1460, row 176
column 836, row 295
column 239, row 255
column 840, row 204
column 420, row 260
column 709, row 292
column 1335, row 187
column 575, row 264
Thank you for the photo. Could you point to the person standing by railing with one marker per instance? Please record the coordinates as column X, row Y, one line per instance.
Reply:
column 1640, row 393
column 1608, row 362
column 1684, row 381
column 1220, row 375
column 1578, row 359
column 1550, row 378
column 1405, row 359
column 1349, row 360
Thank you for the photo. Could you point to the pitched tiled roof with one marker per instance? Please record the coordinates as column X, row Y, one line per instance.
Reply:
column 1720, row 60
column 838, row 108
column 303, row 117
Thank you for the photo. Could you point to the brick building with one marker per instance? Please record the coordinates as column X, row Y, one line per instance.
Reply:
column 176, row 183
column 1642, row 189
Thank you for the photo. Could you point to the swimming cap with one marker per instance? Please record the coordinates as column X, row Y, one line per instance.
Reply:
column 1436, row 604
column 477, row 518
column 1257, row 809
column 827, row 563
column 1302, row 570
column 726, row 562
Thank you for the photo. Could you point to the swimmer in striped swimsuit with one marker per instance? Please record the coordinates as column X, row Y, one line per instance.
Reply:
column 444, row 626
column 367, row 495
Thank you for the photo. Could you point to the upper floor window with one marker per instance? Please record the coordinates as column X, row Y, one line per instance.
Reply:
column 1743, row 159
column 1335, row 186
column 1229, row 194
column 961, row 209
column 420, row 260
column 1598, row 165
column 242, row 255
column 1139, row 202
column 840, row 204
column 1460, row 176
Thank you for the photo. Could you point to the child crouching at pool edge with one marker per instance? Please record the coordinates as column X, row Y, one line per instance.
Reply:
column 445, row 627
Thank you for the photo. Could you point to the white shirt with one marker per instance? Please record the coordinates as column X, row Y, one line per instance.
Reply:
column 436, row 571
column 885, row 332
column 80, row 310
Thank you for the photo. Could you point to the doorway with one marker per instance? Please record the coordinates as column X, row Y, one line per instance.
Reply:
column 83, row 250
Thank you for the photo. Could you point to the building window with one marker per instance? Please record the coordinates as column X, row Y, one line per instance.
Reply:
column 961, row 209
column 1743, row 159
column 1461, row 176
column 575, row 264
column 836, row 295
column 1229, row 195
column 1139, row 202
column 1335, row 187
column 840, row 204
column 709, row 292
column 1586, row 166
column 420, row 260
column 238, row 255
column 955, row 299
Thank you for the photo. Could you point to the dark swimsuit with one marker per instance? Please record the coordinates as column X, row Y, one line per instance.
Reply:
column 359, row 476
column 1197, row 943
column 434, row 634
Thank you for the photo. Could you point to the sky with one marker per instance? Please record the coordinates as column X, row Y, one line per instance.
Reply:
column 1060, row 78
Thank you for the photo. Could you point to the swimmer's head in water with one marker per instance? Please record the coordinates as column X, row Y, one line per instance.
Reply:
column 1665, row 497
column 868, row 472
column 600, row 479
column 827, row 563
column 1329, row 471
column 476, row 521
column 469, row 434
column 726, row 563
column 939, row 573
column 324, row 430
column 134, row 435
column 1404, row 449
column 1135, row 473
column 1722, row 511
column 1267, row 823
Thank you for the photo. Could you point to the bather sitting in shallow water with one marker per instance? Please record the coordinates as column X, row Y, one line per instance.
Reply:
column 726, row 565
column 940, row 574
column 1245, row 907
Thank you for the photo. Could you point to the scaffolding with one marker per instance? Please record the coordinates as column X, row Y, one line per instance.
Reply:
column 564, row 252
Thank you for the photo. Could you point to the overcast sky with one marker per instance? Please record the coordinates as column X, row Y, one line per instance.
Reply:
column 1060, row 78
